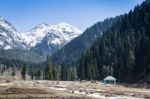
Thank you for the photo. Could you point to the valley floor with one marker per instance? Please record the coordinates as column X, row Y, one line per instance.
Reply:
column 41, row 89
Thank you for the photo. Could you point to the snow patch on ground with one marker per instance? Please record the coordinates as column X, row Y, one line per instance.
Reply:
column 55, row 88
column 96, row 95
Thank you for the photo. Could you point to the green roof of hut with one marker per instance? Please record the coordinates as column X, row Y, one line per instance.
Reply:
column 109, row 78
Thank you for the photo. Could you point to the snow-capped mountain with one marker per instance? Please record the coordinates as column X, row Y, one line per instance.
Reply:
column 9, row 37
column 57, row 34
column 43, row 37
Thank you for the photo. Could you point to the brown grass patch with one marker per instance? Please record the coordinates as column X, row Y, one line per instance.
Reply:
column 25, row 91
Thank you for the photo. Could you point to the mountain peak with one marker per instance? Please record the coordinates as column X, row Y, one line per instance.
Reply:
column 66, row 27
column 40, row 26
column 63, row 24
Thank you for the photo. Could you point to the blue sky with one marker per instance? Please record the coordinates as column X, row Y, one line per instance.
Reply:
column 26, row 14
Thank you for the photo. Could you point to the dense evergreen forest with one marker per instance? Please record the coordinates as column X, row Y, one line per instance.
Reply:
column 123, row 51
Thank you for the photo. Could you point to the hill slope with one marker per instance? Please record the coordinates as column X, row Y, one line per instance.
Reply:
column 72, row 51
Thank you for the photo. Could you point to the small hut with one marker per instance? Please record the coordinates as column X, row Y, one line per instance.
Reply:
column 109, row 80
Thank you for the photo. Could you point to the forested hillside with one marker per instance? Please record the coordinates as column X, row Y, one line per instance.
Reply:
column 72, row 51
column 122, row 51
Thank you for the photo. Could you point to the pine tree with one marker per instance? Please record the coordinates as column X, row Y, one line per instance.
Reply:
column 63, row 72
column 13, row 71
column 55, row 74
column 24, row 71
column 73, row 74
column 49, row 72
column 38, row 75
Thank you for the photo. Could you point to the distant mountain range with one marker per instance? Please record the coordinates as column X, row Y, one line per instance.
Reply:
column 44, row 38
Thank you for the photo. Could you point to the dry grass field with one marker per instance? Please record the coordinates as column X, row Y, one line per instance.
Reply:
column 41, row 89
